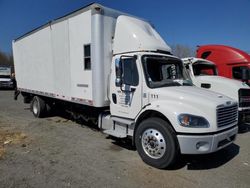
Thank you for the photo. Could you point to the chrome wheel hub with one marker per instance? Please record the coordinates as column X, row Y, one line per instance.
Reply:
column 153, row 143
column 35, row 107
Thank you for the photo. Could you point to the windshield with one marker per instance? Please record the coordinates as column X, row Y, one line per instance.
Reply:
column 201, row 69
column 162, row 71
column 237, row 71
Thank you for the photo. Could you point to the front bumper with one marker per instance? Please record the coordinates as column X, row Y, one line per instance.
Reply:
column 6, row 85
column 202, row 144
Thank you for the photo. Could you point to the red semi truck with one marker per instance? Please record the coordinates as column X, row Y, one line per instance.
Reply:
column 231, row 62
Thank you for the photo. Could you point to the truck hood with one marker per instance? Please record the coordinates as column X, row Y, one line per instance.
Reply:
column 192, row 96
column 226, row 86
column 172, row 101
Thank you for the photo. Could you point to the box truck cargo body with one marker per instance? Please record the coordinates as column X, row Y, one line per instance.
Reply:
column 100, row 59
column 69, row 59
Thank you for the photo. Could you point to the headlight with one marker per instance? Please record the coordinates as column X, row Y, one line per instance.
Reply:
column 187, row 120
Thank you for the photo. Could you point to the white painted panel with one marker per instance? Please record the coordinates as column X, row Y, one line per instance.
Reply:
column 109, row 30
column 60, row 48
column 102, row 33
column 33, row 62
column 80, row 35
column 133, row 34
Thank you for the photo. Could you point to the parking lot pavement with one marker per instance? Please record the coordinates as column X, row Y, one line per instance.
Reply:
column 56, row 152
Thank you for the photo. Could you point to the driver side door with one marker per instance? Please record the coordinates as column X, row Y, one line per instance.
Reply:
column 126, row 100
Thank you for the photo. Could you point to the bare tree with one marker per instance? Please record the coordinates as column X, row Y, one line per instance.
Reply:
column 6, row 59
column 3, row 59
column 182, row 51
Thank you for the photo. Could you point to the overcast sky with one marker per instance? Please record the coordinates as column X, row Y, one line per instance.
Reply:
column 190, row 22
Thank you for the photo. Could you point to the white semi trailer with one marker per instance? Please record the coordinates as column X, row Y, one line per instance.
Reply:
column 101, row 61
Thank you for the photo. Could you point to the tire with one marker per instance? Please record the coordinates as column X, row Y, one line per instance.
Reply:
column 156, row 143
column 38, row 107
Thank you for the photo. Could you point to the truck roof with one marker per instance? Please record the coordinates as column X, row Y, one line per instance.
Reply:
column 223, row 54
column 66, row 16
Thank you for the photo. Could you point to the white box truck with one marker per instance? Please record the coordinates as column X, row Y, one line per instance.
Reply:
column 99, row 60
column 5, row 77
column 204, row 74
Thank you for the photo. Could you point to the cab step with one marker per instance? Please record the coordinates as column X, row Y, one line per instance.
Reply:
column 115, row 133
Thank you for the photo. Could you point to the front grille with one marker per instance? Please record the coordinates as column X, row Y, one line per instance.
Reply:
column 5, row 84
column 227, row 115
column 244, row 98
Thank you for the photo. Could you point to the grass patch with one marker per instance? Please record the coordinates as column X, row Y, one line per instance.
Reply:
column 9, row 137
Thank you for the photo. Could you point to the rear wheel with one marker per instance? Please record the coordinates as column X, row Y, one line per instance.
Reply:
column 156, row 143
column 38, row 107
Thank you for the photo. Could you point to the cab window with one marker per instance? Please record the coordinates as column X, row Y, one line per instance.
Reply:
column 130, row 72
column 204, row 69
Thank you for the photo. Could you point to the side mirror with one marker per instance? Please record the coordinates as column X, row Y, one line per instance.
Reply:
column 245, row 74
column 118, row 72
column 120, row 69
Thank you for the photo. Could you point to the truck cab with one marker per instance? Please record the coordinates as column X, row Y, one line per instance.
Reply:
column 153, row 100
column 5, row 77
column 204, row 74
column 231, row 62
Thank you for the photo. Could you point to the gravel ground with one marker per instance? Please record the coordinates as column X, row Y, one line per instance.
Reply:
column 56, row 152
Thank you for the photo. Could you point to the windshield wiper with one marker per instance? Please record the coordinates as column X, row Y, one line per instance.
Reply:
column 171, row 84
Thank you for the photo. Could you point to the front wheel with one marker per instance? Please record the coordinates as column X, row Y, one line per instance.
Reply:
column 156, row 143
